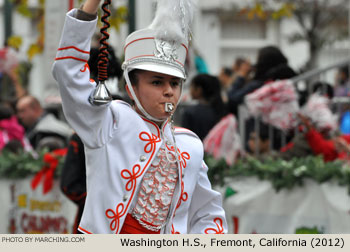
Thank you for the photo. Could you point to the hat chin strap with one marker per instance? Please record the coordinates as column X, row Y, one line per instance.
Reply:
column 137, row 102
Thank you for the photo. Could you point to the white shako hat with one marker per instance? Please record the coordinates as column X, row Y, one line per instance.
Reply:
column 163, row 46
column 143, row 50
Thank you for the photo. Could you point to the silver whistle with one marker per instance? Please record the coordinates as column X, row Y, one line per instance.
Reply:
column 169, row 107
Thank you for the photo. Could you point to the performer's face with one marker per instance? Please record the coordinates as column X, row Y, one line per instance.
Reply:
column 154, row 90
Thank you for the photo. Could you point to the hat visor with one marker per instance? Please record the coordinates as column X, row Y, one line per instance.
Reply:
column 159, row 69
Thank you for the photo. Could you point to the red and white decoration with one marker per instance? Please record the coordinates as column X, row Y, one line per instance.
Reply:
column 223, row 141
column 317, row 109
column 276, row 103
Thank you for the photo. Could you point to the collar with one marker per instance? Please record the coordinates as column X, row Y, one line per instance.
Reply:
column 163, row 132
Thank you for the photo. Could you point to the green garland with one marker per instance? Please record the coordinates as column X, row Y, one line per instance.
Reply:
column 23, row 164
column 281, row 173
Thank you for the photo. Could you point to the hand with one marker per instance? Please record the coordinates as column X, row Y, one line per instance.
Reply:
column 91, row 6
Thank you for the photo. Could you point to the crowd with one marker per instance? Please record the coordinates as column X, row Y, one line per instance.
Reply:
column 318, row 128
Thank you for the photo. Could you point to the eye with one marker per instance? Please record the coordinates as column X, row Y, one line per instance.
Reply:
column 156, row 82
column 175, row 83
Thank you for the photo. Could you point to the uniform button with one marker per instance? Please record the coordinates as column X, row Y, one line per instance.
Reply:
column 168, row 143
column 142, row 158
column 125, row 197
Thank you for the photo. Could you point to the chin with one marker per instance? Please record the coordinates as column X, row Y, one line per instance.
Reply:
column 163, row 116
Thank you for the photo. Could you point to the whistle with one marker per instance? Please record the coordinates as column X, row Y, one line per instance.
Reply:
column 169, row 107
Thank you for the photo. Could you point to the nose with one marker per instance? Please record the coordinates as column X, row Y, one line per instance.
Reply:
column 168, row 90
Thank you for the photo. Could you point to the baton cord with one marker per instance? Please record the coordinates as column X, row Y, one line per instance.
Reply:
column 103, row 52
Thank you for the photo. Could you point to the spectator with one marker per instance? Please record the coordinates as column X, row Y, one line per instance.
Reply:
column 330, row 148
column 318, row 124
column 271, row 65
column 38, row 124
column 262, row 143
column 225, row 78
column 73, row 177
column 342, row 82
column 241, row 67
column 200, row 118
column 12, row 135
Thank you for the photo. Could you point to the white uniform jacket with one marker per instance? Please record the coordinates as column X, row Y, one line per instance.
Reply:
column 120, row 145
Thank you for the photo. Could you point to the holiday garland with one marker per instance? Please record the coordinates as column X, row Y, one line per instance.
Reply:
column 282, row 174
column 23, row 164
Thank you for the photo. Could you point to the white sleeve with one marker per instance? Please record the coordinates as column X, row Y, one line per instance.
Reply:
column 206, row 213
column 94, row 124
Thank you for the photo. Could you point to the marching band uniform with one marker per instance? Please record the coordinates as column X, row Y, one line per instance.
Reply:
column 133, row 178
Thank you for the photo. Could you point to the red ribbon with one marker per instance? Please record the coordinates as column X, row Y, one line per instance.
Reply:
column 47, row 172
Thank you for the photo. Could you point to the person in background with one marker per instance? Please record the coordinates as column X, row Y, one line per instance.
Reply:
column 241, row 67
column 321, row 143
column 201, row 117
column 225, row 78
column 12, row 136
column 318, row 127
column 39, row 125
column 271, row 65
column 73, row 177
column 342, row 87
column 261, row 144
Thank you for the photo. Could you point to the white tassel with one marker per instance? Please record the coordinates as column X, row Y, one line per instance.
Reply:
column 173, row 20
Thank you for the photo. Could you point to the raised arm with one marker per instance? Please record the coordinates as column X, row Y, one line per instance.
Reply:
column 91, row 6
column 93, row 123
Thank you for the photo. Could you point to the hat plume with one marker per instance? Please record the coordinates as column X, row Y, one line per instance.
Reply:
column 173, row 20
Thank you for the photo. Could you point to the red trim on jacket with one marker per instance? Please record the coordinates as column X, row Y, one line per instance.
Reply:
column 84, row 230
column 72, row 47
column 71, row 57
